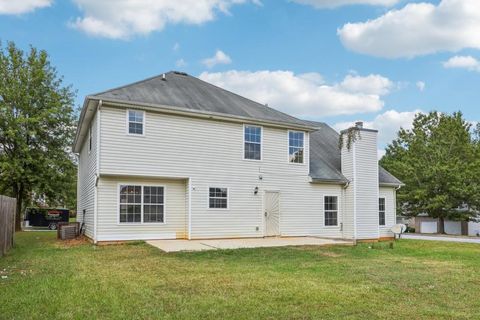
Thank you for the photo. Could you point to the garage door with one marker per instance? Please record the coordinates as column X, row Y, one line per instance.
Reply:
column 428, row 227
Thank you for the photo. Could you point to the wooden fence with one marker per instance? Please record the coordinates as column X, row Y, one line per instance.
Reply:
column 7, row 223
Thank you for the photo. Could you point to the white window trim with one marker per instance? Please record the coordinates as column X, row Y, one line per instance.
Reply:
column 384, row 211
column 128, row 121
column 288, row 148
column 141, row 211
column 261, row 142
column 228, row 199
column 337, row 226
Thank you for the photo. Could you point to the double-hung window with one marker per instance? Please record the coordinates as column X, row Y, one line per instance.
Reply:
column 252, row 137
column 130, row 204
column 381, row 211
column 136, row 122
column 296, row 146
column 218, row 198
column 153, row 204
column 331, row 210
column 142, row 204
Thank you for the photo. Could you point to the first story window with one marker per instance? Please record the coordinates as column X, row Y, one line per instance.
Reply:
column 381, row 211
column 295, row 146
column 141, row 204
column 331, row 210
column 136, row 120
column 218, row 198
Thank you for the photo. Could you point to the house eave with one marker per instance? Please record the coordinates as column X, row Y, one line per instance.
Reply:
column 200, row 114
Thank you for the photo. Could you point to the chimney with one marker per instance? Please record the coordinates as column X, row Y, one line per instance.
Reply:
column 360, row 167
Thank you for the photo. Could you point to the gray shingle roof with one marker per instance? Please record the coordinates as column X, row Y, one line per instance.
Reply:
column 325, row 157
column 181, row 90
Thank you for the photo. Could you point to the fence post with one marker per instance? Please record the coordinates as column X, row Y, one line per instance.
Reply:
column 7, row 223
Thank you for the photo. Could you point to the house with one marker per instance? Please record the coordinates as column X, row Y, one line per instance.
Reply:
column 174, row 157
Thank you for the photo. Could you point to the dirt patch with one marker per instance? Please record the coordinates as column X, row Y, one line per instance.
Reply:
column 330, row 254
column 71, row 243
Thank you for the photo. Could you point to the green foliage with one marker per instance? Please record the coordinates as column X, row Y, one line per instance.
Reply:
column 439, row 162
column 348, row 137
column 36, row 129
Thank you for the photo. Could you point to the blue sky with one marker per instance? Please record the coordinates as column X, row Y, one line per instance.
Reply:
column 296, row 55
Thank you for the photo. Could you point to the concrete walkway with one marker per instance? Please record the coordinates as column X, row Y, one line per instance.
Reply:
column 214, row 244
column 437, row 237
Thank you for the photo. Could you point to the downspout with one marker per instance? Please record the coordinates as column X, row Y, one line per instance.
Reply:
column 189, row 208
column 97, row 176
column 354, row 163
column 344, row 205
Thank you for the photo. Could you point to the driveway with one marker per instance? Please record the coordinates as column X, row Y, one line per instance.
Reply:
column 438, row 237
column 215, row 244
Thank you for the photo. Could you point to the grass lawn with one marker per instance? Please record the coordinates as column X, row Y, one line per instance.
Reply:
column 415, row 280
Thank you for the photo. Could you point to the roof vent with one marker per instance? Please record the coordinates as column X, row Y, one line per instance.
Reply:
column 359, row 124
column 164, row 77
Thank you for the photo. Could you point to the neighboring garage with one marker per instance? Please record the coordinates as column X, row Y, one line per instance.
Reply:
column 431, row 225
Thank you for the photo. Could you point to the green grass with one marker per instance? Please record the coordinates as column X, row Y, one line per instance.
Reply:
column 414, row 280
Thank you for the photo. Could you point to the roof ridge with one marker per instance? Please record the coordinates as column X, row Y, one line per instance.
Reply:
column 138, row 82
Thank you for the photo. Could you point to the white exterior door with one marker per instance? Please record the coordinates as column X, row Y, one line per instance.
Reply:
column 272, row 213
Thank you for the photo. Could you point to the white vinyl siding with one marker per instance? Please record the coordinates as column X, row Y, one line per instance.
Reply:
column 87, row 166
column 175, row 219
column 301, row 202
column 388, row 193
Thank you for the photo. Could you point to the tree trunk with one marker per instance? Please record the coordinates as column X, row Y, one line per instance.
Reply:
column 18, row 210
column 441, row 225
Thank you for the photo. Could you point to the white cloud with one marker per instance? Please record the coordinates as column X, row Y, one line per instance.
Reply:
column 372, row 84
column 219, row 58
column 463, row 62
column 329, row 4
column 22, row 6
column 417, row 29
column 420, row 85
column 121, row 19
column 181, row 63
column 387, row 124
column 305, row 95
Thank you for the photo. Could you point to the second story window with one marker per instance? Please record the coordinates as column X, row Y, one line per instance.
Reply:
column 296, row 146
column 252, row 142
column 136, row 122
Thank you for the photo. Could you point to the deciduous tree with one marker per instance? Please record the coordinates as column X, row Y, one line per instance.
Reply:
column 438, row 160
column 36, row 129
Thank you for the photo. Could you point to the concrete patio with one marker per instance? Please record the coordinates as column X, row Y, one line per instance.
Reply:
column 216, row 244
